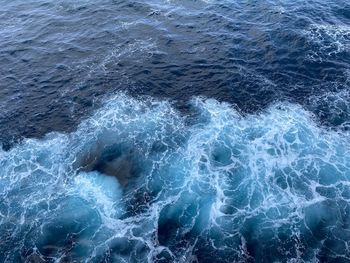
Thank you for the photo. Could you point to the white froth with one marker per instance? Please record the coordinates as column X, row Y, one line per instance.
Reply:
column 213, row 179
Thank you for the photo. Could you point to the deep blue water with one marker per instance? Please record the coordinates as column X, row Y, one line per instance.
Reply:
column 174, row 131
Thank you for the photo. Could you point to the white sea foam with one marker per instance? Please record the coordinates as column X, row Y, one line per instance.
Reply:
column 329, row 40
column 227, row 185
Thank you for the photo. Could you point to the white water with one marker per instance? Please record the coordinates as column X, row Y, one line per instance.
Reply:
column 217, row 184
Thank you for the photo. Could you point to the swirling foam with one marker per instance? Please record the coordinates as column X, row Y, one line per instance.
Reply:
column 139, row 182
column 330, row 40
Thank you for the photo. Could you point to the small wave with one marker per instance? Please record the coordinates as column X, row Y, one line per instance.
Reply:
column 333, row 108
column 329, row 40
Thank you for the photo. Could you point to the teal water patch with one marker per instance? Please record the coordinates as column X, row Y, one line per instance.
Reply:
column 138, row 182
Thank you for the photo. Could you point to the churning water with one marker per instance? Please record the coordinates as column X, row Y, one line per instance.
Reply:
column 174, row 131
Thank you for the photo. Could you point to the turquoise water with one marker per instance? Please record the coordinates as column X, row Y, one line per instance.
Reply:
column 264, row 187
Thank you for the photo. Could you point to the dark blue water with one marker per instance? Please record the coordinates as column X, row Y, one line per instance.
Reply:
column 174, row 131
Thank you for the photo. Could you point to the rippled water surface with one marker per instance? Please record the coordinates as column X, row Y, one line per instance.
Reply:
column 174, row 131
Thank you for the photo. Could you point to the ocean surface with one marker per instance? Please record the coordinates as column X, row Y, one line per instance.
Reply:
column 174, row 131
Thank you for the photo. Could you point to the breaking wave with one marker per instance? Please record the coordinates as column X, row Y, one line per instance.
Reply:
column 140, row 182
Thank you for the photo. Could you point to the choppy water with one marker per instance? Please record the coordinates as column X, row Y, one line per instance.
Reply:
column 174, row 131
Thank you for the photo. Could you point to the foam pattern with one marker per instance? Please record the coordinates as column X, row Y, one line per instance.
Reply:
column 140, row 182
